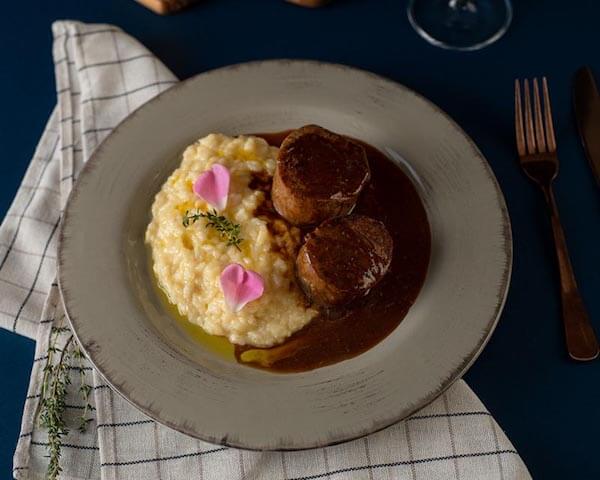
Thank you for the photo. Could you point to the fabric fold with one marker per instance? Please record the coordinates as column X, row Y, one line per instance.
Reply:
column 102, row 75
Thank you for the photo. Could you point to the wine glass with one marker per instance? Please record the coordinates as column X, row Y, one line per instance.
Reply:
column 460, row 24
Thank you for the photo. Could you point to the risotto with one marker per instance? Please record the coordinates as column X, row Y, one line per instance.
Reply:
column 188, row 261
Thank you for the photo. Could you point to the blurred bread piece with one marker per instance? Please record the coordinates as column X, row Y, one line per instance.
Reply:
column 164, row 7
column 309, row 3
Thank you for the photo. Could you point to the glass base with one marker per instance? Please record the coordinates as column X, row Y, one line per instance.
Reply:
column 460, row 24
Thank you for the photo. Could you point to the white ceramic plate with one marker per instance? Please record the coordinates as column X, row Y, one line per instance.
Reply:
column 130, row 338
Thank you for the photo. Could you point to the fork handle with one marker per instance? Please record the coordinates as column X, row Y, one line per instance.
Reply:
column 580, row 337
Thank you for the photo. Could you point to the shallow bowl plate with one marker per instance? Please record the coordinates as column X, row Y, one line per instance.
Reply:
column 129, row 336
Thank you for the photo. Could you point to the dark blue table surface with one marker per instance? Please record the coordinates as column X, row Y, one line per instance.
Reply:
column 548, row 405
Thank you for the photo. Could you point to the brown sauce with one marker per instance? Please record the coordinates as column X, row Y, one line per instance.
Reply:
column 341, row 333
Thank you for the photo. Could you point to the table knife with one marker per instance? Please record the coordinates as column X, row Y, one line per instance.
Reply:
column 586, row 102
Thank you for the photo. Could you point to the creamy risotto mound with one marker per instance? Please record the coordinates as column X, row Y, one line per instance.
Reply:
column 188, row 261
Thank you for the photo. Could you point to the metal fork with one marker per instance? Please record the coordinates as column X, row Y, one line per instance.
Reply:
column 537, row 153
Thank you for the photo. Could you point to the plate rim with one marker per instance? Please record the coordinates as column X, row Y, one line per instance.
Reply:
column 456, row 374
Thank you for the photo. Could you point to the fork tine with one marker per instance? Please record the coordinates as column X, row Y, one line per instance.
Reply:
column 520, row 134
column 548, row 117
column 529, row 135
column 537, row 114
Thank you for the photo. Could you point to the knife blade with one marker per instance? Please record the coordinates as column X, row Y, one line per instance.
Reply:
column 586, row 102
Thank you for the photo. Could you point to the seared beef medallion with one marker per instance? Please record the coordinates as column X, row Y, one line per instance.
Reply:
column 343, row 259
column 319, row 175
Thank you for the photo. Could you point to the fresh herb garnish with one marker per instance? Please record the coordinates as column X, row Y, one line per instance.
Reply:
column 55, row 383
column 227, row 229
column 84, row 389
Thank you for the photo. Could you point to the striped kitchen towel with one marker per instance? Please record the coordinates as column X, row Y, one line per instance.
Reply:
column 102, row 75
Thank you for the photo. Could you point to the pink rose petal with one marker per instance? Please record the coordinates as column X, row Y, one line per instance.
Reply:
column 240, row 286
column 213, row 186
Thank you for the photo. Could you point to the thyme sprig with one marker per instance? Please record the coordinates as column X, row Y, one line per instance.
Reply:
column 84, row 389
column 52, row 403
column 55, row 385
column 227, row 229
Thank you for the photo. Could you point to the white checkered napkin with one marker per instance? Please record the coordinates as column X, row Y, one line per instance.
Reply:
column 102, row 74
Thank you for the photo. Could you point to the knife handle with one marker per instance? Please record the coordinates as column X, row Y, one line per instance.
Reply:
column 582, row 344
